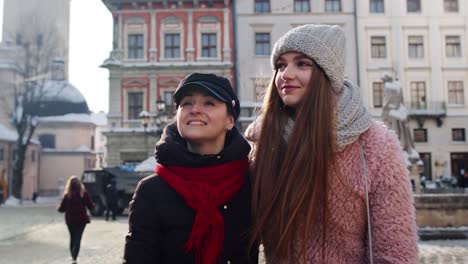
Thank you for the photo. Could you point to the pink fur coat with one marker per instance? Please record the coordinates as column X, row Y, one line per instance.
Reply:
column 392, row 212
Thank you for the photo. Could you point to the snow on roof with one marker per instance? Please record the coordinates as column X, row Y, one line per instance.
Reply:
column 62, row 90
column 7, row 134
column 147, row 165
column 100, row 119
column 78, row 118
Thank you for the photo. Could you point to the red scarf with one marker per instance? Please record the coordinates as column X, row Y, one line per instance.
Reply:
column 204, row 189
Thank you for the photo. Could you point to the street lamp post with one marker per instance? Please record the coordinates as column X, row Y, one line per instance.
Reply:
column 145, row 119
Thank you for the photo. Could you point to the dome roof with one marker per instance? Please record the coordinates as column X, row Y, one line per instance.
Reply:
column 58, row 97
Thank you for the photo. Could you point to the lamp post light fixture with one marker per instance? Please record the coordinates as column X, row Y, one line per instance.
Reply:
column 145, row 119
column 161, row 106
column 160, row 118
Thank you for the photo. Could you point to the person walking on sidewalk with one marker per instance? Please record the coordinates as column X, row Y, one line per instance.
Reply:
column 330, row 184
column 74, row 203
column 111, row 200
column 196, row 209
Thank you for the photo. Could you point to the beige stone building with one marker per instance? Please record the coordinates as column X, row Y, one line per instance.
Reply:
column 8, row 139
column 259, row 23
column 424, row 44
column 68, row 144
column 64, row 142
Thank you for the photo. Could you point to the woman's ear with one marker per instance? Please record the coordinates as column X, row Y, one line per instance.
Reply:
column 230, row 123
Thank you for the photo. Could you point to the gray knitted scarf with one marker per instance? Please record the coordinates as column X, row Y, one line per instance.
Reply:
column 352, row 117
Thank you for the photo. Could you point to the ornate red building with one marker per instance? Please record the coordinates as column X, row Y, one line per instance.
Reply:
column 155, row 45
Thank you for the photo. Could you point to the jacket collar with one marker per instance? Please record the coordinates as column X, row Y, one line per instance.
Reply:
column 171, row 150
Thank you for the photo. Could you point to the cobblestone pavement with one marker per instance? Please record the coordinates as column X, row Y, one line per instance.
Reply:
column 38, row 235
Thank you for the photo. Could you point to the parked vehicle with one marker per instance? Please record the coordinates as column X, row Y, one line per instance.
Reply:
column 96, row 181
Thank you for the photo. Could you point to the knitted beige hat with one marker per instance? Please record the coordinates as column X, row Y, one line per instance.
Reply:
column 324, row 44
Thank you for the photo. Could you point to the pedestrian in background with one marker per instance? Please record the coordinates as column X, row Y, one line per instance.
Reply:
column 330, row 184
column 111, row 200
column 74, row 203
column 197, row 208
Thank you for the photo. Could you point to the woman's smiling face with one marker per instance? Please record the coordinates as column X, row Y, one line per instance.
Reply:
column 294, row 72
column 203, row 119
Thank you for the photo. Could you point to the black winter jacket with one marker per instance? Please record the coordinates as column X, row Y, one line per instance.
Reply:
column 160, row 221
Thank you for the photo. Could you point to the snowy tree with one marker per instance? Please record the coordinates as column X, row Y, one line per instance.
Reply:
column 34, row 44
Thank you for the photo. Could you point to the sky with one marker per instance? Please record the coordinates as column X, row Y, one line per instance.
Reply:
column 90, row 44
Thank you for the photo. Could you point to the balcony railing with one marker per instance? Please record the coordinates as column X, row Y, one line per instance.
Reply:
column 425, row 110
column 428, row 109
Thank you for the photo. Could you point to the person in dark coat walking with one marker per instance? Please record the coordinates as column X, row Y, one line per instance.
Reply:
column 111, row 200
column 197, row 207
column 74, row 202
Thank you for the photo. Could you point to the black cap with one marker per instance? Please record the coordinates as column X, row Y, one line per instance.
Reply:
column 217, row 86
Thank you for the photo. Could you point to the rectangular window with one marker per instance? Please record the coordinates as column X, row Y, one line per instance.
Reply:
column 168, row 100
column 451, row 6
column 377, row 94
column 418, row 95
column 172, row 45
column 135, row 104
column 332, row 5
column 262, row 6
column 415, row 47
column 33, row 156
column 376, row 6
column 427, row 167
column 458, row 134
column 301, row 6
column 1, row 154
column 420, row 135
column 135, row 46
column 413, row 6
column 262, row 44
column 452, row 46
column 209, row 49
column 456, row 95
column 47, row 141
column 378, row 47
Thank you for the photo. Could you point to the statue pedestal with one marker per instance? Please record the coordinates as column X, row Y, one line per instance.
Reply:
column 414, row 175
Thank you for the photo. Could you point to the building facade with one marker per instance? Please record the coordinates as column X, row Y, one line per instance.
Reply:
column 64, row 140
column 155, row 45
column 260, row 23
column 68, row 148
column 423, row 44
column 8, row 139
column 23, row 18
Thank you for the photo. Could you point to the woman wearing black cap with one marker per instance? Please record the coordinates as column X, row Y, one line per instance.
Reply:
column 196, row 209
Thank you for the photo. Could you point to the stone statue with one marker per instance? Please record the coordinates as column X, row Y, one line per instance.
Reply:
column 395, row 116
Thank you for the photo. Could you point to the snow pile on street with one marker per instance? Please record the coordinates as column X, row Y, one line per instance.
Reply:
column 40, row 201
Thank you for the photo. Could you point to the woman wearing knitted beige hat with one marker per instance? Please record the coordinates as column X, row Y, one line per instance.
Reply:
column 330, row 184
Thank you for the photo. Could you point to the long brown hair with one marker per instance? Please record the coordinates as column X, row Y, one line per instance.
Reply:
column 73, row 185
column 290, row 187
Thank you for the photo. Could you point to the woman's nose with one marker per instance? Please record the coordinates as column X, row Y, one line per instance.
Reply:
column 196, row 108
column 288, row 73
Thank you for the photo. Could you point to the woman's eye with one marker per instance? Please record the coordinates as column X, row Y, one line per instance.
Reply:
column 304, row 64
column 279, row 66
column 209, row 103
column 185, row 104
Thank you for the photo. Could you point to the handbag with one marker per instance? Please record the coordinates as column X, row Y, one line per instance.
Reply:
column 369, row 232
